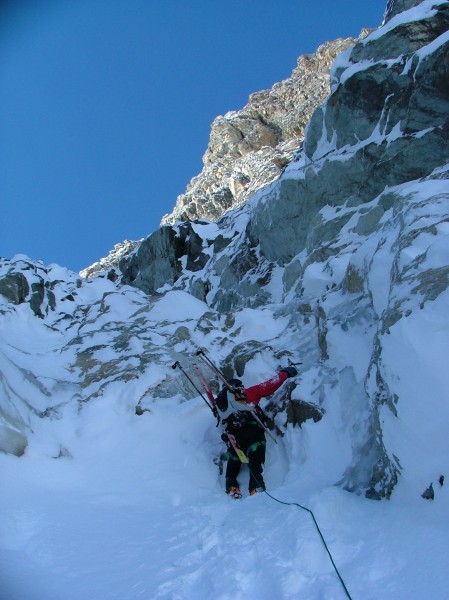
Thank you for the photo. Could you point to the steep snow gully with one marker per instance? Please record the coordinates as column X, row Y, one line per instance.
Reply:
column 119, row 506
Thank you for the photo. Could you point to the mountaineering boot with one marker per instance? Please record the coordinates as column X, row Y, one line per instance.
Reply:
column 234, row 493
column 258, row 490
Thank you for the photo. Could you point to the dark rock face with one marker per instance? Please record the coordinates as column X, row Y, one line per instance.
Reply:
column 394, row 7
column 299, row 412
column 24, row 282
column 158, row 259
column 14, row 287
column 398, row 109
column 155, row 263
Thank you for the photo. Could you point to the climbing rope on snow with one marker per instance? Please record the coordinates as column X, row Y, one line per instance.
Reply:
column 321, row 536
column 317, row 528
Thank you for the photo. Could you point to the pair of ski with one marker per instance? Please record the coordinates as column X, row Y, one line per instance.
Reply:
column 211, row 404
column 206, row 360
column 242, row 456
column 211, row 398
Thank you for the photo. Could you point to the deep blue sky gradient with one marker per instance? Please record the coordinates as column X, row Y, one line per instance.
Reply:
column 106, row 106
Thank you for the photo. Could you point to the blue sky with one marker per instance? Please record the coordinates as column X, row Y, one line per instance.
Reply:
column 106, row 106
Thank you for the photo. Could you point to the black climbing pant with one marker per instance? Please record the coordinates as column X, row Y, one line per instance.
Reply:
column 251, row 439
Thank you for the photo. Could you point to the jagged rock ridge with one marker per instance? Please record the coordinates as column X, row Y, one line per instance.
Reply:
column 249, row 148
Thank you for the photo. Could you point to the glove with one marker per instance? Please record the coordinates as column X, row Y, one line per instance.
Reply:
column 291, row 371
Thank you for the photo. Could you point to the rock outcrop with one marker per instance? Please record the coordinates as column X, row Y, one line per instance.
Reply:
column 249, row 148
column 111, row 261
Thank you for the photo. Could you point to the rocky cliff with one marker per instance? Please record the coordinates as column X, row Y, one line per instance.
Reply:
column 249, row 148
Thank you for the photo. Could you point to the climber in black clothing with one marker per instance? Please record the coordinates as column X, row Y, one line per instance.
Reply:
column 240, row 413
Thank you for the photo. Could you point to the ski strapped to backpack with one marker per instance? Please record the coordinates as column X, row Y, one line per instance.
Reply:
column 242, row 456
column 206, row 360
column 211, row 404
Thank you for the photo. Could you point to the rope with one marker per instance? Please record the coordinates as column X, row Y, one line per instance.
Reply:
column 317, row 528
column 321, row 536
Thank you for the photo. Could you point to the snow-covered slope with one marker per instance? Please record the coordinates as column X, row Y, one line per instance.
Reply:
column 341, row 264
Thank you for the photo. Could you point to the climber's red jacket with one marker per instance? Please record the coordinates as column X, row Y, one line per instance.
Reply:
column 255, row 393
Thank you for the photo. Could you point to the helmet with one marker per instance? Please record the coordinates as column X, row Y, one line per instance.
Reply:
column 236, row 383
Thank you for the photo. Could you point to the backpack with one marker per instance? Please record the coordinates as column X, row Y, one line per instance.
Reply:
column 233, row 412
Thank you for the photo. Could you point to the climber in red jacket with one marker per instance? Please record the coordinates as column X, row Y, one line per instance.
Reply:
column 240, row 413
